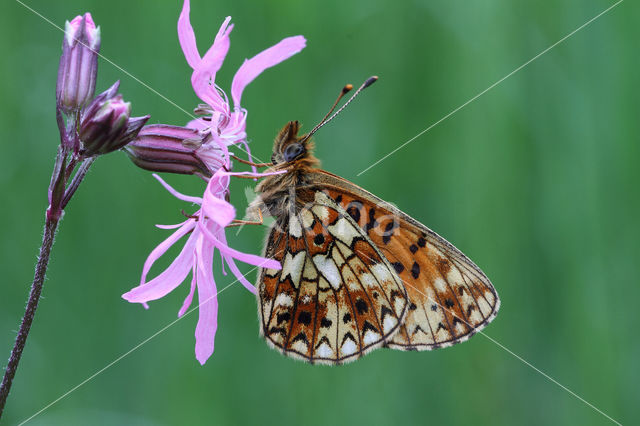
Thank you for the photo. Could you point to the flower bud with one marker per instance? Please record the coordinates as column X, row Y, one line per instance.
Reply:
column 165, row 148
column 78, row 63
column 106, row 125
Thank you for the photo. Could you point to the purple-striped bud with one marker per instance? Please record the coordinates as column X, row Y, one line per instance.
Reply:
column 78, row 63
column 165, row 148
column 106, row 125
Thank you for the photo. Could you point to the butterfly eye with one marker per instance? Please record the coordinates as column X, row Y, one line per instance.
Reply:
column 293, row 151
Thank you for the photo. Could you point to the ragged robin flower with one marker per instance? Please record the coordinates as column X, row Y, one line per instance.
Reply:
column 207, row 141
column 206, row 233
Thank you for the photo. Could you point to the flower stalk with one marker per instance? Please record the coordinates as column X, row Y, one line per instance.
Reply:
column 51, row 224
column 89, row 127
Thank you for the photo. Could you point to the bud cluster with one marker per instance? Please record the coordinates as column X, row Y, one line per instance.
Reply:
column 95, row 125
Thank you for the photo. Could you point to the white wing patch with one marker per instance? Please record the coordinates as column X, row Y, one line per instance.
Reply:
column 344, row 230
column 292, row 266
column 328, row 268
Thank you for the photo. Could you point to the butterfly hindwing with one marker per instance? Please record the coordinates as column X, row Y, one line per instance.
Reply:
column 336, row 297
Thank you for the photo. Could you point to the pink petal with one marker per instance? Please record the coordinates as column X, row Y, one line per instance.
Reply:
column 232, row 265
column 217, row 209
column 189, row 298
column 213, row 59
column 251, row 259
column 177, row 225
column 208, row 304
column 187, row 37
column 198, row 124
column 168, row 280
column 239, row 275
column 178, row 195
column 212, row 156
column 155, row 254
column 251, row 68
column 204, row 75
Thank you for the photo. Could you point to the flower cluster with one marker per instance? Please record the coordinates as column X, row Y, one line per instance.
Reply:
column 89, row 126
column 202, row 148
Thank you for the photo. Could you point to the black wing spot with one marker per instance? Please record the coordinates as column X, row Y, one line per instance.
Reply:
column 399, row 267
column 413, row 248
column 375, row 295
column 278, row 330
column 346, row 318
column 368, row 326
column 284, row 316
column 354, row 210
column 326, row 323
column 300, row 336
column 304, row 318
column 318, row 239
column 441, row 326
column 361, row 306
column 412, row 307
column 470, row 309
column 384, row 311
column 434, row 308
column 448, row 303
column 415, row 270
column 339, row 199
column 422, row 242
column 348, row 335
column 456, row 320
column 323, row 340
column 388, row 232
column 372, row 220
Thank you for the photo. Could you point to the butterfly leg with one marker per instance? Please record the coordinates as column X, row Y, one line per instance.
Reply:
column 237, row 222
column 251, row 163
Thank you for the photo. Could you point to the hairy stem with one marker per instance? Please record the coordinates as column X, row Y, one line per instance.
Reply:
column 77, row 179
column 50, row 227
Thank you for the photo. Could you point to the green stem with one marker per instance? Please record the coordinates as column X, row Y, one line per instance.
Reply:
column 50, row 227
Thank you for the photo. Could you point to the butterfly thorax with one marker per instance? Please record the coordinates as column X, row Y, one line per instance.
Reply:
column 281, row 194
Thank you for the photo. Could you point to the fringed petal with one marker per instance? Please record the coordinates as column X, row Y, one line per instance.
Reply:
column 161, row 248
column 187, row 37
column 168, row 280
column 253, row 67
column 207, row 304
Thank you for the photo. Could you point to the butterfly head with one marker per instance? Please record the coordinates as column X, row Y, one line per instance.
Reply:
column 289, row 148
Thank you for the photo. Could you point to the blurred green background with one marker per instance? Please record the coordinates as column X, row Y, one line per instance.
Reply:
column 536, row 181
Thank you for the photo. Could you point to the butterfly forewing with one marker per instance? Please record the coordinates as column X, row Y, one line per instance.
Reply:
column 337, row 296
column 450, row 298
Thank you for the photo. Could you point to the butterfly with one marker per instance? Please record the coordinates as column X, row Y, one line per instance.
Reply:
column 357, row 273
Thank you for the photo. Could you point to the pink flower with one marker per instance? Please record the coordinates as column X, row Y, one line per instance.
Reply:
column 226, row 125
column 221, row 127
column 206, row 234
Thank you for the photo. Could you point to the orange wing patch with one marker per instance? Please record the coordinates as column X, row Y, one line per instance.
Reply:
column 336, row 297
column 450, row 298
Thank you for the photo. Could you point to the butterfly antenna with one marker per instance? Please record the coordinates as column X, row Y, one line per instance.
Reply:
column 345, row 90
